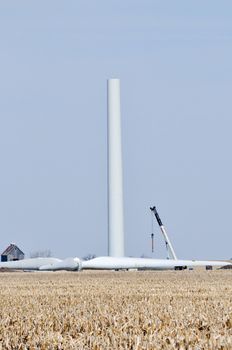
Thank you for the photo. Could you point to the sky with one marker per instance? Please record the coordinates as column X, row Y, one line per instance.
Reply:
column 174, row 62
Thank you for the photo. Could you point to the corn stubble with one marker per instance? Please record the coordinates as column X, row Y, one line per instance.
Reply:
column 116, row 310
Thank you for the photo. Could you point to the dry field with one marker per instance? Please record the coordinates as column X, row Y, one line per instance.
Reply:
column 116, row 310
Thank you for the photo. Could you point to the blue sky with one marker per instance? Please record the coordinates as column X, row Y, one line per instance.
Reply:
column 174, row 61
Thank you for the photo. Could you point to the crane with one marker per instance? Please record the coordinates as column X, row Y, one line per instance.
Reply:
column 169, row 247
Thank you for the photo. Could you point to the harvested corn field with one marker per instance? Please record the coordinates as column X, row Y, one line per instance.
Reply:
column 116, row 310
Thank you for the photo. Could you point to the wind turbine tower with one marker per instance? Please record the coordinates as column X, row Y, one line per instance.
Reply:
column 115, row 173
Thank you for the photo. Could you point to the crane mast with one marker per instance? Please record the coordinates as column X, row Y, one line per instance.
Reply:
column 169, row 247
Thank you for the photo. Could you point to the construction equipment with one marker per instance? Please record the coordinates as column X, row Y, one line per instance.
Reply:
column 152, row 242
column 170, row 251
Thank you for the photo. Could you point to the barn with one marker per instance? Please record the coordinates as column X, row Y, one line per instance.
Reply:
column 11, row 253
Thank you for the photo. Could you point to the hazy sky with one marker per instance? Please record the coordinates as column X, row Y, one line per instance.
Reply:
column 174, row 60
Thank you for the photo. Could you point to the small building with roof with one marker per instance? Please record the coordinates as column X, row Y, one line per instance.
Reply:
column 12, row 253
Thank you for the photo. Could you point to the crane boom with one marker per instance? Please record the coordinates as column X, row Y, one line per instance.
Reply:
column 171, row 252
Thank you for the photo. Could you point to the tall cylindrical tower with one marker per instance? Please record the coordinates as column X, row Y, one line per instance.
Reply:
column 115, row 183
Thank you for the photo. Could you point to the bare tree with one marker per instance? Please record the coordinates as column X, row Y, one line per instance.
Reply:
column 46, row 253
column 89, row 257
column 144, row 256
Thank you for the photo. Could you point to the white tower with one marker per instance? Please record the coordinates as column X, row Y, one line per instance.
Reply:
column 115, row 183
